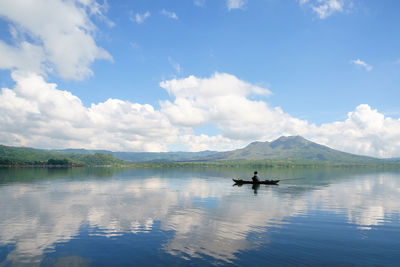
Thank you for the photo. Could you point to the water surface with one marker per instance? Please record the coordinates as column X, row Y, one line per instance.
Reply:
column 104, row 217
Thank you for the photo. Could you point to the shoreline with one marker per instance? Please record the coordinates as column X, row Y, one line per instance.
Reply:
column 183, row 165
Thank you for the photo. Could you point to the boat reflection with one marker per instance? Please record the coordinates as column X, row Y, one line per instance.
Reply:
column 255, row 187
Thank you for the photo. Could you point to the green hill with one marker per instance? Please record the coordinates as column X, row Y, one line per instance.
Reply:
column 162, row 156
column 31, row 156
column 291, row 149
column 146, row 156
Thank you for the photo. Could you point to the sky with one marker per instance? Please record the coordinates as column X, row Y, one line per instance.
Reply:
column 192, row 75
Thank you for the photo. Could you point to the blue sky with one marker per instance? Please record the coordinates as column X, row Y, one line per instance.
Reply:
column 319, row 59
column 304, row 60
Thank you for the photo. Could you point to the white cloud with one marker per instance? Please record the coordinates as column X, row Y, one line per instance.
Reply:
column 235, row 4
column 169, row 14
column 44, row 30
column 140, row 18
column 36, row 113
column 365, row 131
column 223, row 100
column 23, row 56
column 199, row 3
column 204, row 142
column 361, row 63
column 177, row 67
column 325, row 8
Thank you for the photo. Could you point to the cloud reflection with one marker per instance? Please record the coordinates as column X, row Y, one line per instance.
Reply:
column 206, row 217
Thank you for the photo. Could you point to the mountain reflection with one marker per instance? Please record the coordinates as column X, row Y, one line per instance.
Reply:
column 206, row 216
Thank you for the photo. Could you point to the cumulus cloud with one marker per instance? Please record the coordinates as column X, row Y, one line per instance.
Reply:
column 140, row 18
column 365, row 131
column 51, row 35
column 22, row 56
column 325, row 8
column 224, row 100
column 363, row 64
column 36, row 113
column 235, row 4
column 169, row 14
column 203, row 142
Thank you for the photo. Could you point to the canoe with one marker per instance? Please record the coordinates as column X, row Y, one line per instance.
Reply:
column 240, row 181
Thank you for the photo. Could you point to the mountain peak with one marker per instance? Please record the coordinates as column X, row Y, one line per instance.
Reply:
column 290, row 138
column 257, row 143
column 290, row 148
column 289, row 142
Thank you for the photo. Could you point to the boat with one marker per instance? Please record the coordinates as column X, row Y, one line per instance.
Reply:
column 240, row 181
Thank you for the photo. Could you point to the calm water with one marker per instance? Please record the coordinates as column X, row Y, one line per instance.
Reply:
column 104, row 217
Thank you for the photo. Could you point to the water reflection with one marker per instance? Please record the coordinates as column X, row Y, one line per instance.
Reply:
column 254, row 187
column 207, row 216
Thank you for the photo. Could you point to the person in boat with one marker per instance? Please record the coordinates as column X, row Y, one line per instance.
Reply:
column 255, row 178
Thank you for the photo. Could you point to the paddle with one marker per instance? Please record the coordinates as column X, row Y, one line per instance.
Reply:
column 293, row 178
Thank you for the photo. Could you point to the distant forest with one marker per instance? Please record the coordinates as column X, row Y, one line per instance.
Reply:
column 20, row 156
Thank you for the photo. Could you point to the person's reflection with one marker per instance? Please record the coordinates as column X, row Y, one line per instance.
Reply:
column 255, row 187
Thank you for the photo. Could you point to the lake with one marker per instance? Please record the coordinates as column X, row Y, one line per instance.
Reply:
column 196, row 217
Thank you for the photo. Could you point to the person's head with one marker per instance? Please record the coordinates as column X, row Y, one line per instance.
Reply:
column 255, row 172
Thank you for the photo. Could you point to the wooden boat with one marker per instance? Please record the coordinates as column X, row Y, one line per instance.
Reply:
column 240, row 181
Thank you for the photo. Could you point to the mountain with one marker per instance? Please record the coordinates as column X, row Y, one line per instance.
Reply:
column 162, row 156
column 292, row 149
column 146, row 156
column 393, row 159
column 81, row 151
